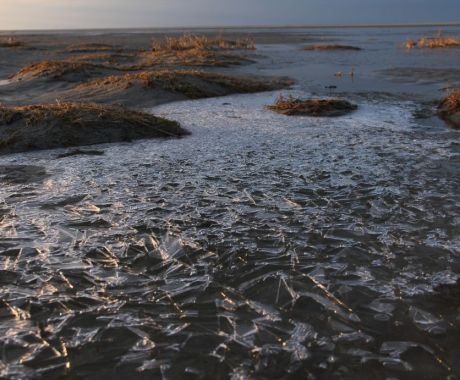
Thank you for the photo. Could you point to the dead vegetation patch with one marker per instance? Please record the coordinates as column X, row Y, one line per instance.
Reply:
column 11, row 42
column 320, row 47
column 106, row 58
column 438, row 41
column 312, row 107
column 74, row 124
column 70, row 70
column 193, row 84
column 199, row 50
column 201, row 42
column 449, row 109
column 194, row 57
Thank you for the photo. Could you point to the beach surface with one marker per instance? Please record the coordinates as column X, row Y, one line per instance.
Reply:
column 258, row 245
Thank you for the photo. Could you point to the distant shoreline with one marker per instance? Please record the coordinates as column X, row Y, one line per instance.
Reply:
column 229, row 27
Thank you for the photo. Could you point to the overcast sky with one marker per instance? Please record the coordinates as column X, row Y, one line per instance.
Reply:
column 62, row 14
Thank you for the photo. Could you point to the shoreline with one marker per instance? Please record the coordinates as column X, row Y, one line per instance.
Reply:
column 139, row 71
column 149, row 29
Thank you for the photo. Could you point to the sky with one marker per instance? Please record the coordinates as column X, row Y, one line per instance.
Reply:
column 72, row 14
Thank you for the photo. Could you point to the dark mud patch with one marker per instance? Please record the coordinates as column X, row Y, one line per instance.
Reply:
column 55, row 203
column 331, row 47
column 92, row 47
column 80, row 152
column 12, row 42
column 312, row 107
column 22, row 174
column 449, row 292
column 71, row 124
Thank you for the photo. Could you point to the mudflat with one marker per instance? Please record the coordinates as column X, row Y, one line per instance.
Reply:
column 259, row 245
column 86, row 72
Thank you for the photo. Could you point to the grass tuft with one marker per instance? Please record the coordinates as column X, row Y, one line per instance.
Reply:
column 439, row 41
column 311, row 107
column 74, row 113
column 201, row 42
column 57, row 125
column 197, row 50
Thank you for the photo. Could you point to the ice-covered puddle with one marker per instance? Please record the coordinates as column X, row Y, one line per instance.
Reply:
column 262, row 246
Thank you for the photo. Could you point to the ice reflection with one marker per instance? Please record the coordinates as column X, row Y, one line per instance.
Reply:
column 260, row 247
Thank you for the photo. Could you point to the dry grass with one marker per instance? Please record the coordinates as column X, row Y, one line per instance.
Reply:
column 331, row 47
column 451, row 103
column 449, row 108
column 11, row 42
column 193, row 50
column 54, row 69
column 311, row 107
column 91, row 57
column 193, row 84
column 194, row 57
column 78, row 68
column 75, row 124
column 439, row 41
column 201, row 42
column 78, row 114
column 410, row 44
column 115, row 61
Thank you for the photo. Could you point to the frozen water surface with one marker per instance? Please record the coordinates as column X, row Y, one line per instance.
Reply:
column 262, row 246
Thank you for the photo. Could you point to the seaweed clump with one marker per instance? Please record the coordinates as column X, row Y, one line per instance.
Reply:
column 312, row 107
column 449, row 109
column 58, row 125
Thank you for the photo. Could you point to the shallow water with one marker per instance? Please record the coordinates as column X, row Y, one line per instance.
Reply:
column 382, row 49
column 262, row 246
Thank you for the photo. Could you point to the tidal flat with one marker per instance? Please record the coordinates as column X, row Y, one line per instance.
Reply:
column 257, row 245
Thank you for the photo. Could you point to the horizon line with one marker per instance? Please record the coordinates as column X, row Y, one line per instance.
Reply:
column 255, row 26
